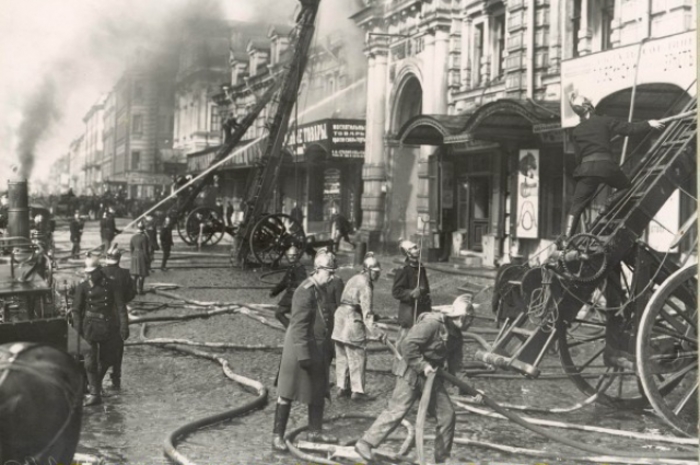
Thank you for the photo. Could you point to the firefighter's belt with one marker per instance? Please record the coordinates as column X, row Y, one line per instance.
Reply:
column 353, row 306
column 96, row 315
column 598, row 156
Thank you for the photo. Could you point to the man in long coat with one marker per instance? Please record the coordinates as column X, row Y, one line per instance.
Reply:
column 166, row 241
column 412, row 296
column 124, row 285
column 140, row 256
column 295, row 275
column 303, row 372
column 108, row 229
column 76, row 233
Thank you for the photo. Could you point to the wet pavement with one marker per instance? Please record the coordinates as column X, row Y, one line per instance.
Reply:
column 164, row 389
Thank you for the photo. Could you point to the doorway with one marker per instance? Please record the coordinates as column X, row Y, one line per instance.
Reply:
column 474, row 192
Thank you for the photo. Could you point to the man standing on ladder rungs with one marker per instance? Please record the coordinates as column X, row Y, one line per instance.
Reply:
column 412, row 293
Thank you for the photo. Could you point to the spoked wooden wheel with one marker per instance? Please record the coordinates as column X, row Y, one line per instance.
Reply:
column 667, row 350
column 182, row 230
column 273, row 235
column 213, row 230
column 581, row 346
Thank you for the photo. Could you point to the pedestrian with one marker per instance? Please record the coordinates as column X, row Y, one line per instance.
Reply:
column 125, row 286
column 152, row 234
column 76, row 233
column 297, row 214
column 354, row 325
column 303, row 375
column 414, row 298
column 140, row 256
column 340, row 229
column 435, row 341
column 294, row 276
column 166, row 241
column 594, row 159
column 100, row 317
column 108, row 229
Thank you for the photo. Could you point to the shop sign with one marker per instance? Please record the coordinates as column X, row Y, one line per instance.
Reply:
column 666, row 60
column 340, row 138
column 528, row 194
column 348, row 134
column 660, row 236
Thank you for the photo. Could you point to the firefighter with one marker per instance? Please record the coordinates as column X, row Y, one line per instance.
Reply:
column 76, row 233
column 595, row 162
column 354, row 324
column 152, row 234
column 413, row 298
column 340, row 229
column 295, row 275
column 100, row 317
column 166, row 241
column 435, row 341
column 303, row 373
column 108, row 229
column 121, row 279
column 140, row 255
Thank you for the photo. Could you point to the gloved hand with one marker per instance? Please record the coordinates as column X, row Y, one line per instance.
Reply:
column 429, row 369
column 305, row 364
column 415, row 293
column 124, row 332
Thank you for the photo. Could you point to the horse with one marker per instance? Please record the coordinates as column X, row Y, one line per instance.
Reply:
column 41, row 393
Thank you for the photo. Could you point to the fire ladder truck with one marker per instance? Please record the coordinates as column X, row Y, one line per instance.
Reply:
column 264, row 237
column 608, row 287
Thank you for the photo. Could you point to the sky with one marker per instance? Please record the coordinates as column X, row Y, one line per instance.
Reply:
column 59, row 57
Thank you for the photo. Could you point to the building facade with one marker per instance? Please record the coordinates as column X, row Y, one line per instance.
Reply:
column 143, row 121
column 463, row 96
column 94, row 147
column 76, row 164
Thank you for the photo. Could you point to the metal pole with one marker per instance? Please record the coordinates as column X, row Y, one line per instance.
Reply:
column 420, row 260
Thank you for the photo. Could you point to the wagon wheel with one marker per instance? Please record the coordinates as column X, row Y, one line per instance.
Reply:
column 584, row 258
column 581, row 343
column 182, row 229
column 667, row 350
column 273, row 235
column 213, row 230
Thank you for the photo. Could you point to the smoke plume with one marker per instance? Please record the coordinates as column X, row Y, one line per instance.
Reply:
column 38, row 116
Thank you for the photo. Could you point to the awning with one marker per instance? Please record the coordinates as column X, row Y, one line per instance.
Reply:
column 495, row 121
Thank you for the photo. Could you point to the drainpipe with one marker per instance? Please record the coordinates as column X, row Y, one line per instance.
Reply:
column 530, row 49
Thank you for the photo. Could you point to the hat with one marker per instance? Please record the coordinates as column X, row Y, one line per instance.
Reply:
column 113, row 255
column 141, row 226
column 92, row 262
column 371, row 263
column 325, row 260
column 405, row 246
column 462, row 306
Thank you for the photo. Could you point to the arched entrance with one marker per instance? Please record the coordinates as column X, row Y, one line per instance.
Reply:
column 403, row 162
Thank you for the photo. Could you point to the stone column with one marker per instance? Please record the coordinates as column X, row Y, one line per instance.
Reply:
column 584, row 32
column 373, row 171
column 465, row 59
column 486, row 56
column 554, row 36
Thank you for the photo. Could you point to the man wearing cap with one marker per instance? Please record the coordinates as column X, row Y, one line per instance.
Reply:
column 596, row 165
column 435, row 341
column 295, row 275
column 140, row 256
column 124, row 285
column 108, row 229
column 414, row 298
column 101, row 319
column 76, row 233
column 354, row 324
column 303, row 375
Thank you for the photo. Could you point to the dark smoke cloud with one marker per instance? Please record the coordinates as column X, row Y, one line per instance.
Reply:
column 38, row 116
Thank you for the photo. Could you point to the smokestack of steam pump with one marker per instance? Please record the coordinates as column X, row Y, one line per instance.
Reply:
column 18, row 208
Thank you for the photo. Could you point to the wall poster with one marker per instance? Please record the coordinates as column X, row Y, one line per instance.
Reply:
column 528, row 194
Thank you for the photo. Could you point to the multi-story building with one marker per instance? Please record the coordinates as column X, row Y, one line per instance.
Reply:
column 143, row 124
column 460, row 92
column 323, row 157
column 94, row 147
column 76, row 166
column 109, row 141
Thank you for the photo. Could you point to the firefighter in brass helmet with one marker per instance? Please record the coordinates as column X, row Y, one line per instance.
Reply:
column 100, row 317
column 295, row 275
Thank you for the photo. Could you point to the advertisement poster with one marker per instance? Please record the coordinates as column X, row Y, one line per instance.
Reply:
column 528, row 194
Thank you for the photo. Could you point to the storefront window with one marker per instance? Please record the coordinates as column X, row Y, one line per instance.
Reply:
column 552, row 192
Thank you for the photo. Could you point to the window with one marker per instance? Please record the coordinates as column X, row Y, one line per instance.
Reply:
column 607, row 16
column 576, row 26
column 137, row 124
column 478, row 52
column 500, row 30
column 214, row 119
column 135, row 160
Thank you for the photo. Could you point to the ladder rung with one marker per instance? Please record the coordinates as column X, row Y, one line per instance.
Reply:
column 674, row 142
column 522, row 331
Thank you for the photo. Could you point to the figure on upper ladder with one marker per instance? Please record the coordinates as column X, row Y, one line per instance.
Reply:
column 596, row 165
